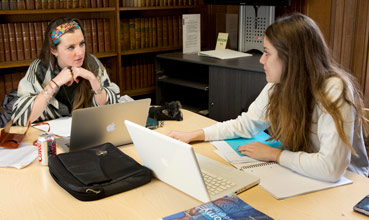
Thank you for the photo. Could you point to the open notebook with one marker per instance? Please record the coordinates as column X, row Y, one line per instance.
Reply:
column 282, row 182
column 279, row 181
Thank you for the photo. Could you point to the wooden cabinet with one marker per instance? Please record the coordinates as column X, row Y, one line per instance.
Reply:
column 220, row 89
column 111, row 28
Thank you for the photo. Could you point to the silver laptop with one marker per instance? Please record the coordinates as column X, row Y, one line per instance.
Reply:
column 175, row 163
column 98, row 125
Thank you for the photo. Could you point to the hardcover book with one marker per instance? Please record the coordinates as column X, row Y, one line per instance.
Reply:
column 19, row 41
column 12, row 43
column 26, row 41
column 107, row 35
column 100, row 35
column 226, row 208
column 2, row 52
column 32, row 40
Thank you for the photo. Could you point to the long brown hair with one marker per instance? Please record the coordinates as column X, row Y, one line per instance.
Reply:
column 307, row 63
column 82, row 96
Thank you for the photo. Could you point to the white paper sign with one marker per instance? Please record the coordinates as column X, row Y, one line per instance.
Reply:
column 191, row 33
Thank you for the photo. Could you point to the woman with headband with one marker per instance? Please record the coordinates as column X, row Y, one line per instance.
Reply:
column 65, row 77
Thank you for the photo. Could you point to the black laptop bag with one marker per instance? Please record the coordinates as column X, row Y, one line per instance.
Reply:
column 97, row 172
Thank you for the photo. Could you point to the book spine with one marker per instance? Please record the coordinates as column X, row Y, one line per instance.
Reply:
column 170, row 31
column 128, row 74
column 30, row 4
column 159, row 28
column 5, row 5
column 165, row 31
column 93, row 3
column 61, row 3
column 149, row 27
column 180, row 30
column 107, row 35
column 154, row 32
column 44, row 4
column 19, row 41
column 138, row 73
column 133, row 73
column 21, row 5
column 7, row 54
column 146, row 30
column 88, row 3
column 132, row 40
column 2, row 50
column 13, row 4
column 26, row 41
column 81, row 4
column 69, row 3
column 51, row 4
column 100, row 35
column 12, row 43
column 125, row 34
column 38, row 36
column 32, row 40
column 88, row 35
column 75, row 3
column 94, row 35
column 56, row 4
column 138, row 33
column 175, row 30
column 43, row 30
column 142, row 31
column 105, row 3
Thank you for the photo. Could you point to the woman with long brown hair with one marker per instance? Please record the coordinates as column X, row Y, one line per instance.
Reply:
column 63, row 78
column 313, row 107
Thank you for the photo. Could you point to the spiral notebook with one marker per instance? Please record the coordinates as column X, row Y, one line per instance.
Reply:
column 282, row 182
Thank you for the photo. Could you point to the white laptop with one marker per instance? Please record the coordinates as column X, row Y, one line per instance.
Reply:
column 175, row 163
column 98, row 125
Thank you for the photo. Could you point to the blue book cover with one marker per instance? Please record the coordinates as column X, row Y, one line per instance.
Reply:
column 226, row 208
column 262, row 137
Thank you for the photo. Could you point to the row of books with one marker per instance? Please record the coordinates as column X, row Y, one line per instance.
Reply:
column 23, row 41
column 162, row 31
column 9, row 81
column 158, row 3
column 137, row 72
column 51, row 4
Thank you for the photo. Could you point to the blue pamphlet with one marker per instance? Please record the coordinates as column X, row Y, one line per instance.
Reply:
column 261, row 137
column 225, row 208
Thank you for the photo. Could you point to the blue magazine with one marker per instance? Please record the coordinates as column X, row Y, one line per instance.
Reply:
column 225, row 208
column 262, row 137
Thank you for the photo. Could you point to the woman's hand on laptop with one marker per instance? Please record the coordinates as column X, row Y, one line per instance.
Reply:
column 188, row 137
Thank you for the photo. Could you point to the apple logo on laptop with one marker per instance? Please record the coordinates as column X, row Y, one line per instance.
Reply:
column 110, row 127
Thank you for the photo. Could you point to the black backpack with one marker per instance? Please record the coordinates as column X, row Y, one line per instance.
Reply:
column 97, row 172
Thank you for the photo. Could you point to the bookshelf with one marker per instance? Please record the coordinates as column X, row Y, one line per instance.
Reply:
column 125, row 35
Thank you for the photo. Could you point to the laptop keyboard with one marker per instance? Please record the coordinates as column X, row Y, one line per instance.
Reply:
column 216, row 184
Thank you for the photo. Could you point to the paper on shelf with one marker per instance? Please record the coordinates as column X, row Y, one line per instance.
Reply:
column 223, row 54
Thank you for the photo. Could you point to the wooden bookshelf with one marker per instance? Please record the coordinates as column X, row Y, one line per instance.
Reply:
column 132, row 69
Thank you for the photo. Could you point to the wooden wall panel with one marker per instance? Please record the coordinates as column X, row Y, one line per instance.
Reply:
column 320, row 11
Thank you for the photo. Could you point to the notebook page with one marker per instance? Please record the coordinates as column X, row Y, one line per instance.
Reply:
column 282, row 182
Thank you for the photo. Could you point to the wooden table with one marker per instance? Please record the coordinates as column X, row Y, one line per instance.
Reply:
column 31, row 193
